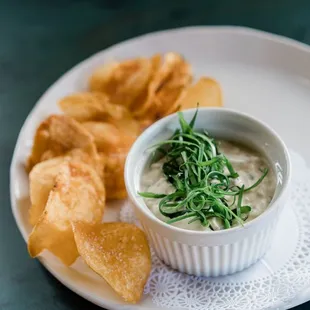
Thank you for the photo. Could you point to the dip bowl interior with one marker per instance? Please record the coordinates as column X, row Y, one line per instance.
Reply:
column 170, row 241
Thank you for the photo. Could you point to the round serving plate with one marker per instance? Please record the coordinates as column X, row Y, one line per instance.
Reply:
column 265, row 75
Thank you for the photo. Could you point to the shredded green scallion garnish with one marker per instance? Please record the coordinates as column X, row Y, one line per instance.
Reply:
column 201, row 176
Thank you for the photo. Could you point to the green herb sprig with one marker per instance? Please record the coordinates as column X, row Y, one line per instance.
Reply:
column 202, row 178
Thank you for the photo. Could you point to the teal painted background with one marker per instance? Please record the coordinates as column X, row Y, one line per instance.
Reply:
column 39, row 41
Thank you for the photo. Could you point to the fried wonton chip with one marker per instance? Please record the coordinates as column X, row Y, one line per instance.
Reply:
column 206, row 92
column 124, row 81
column 90, row 106
column 78, row 195
column 57, row 135
column 167, row 85
column 119, row 253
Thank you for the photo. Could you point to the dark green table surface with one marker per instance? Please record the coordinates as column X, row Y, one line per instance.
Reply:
column 39, row 41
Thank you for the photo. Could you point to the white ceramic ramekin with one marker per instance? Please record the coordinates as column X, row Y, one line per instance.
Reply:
column 212, row 253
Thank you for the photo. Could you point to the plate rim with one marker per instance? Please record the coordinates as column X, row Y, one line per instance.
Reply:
column 233, row 30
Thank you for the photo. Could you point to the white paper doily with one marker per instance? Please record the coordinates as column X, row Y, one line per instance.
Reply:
column 273, row 282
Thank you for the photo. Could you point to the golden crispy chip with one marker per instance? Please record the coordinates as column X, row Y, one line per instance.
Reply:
column 41, row 182
column 119, row 253
column 129, row 129
column 124, row 81
column 87, row 106
column 114, row 144
column 156, row 61
column 207, row 92
column 171, row 79
column 107, row 136
column 88, row 156
column 78, row 195
column 101, row 76
column 57, row 135
column 118, row 194
column 114, row 174
column 68, row 133
column 144, row 123
column 110, row 138
column 174, row 87
column 42, row 178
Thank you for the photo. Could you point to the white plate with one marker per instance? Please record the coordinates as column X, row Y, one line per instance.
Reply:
column 262, row 74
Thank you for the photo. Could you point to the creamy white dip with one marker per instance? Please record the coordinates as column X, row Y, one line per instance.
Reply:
column 249, row 165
